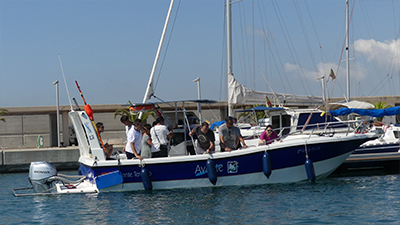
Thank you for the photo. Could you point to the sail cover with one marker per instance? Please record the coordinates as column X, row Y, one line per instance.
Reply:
column 239, row 94
column 367, row 112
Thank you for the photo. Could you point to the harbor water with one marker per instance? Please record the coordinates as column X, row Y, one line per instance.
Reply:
column 339, row 200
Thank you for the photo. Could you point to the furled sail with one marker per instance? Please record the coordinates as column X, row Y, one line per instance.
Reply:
column 239, row 94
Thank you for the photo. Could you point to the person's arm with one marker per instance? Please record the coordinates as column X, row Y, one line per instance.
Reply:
column 192, row 131
column 221, row 140
column 242, row 141
column 170, row 134
column 110, row 149
column 262, row 140
column 134, row 151
column 212, row 145
column 276, row 137
column 149, row 142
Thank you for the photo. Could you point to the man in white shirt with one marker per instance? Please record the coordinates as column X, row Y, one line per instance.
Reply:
column 134, row 137
column 159, row 134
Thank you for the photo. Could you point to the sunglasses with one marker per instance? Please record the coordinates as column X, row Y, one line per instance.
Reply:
column 269, row 130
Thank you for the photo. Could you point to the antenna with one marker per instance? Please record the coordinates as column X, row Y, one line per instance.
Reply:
column 65, row 82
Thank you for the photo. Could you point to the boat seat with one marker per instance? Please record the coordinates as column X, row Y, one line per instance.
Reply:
column 178, row 150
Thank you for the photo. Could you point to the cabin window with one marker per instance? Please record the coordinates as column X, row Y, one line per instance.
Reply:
column 396, row 134
column 316, row 118
column 279, row 120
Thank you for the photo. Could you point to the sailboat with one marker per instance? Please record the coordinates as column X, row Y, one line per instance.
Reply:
column 298, row 157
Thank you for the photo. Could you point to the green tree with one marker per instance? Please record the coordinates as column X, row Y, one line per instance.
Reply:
column 3, row 112
column 259, row 114
column 381, row 105
column 134, row 115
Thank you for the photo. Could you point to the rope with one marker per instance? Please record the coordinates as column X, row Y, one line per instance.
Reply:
column 305, row 148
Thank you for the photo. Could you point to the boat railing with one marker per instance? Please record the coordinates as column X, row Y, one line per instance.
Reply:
column 328, row 128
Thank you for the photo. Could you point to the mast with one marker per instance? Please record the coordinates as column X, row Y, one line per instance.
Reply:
column 150, row 91
column 347, row 50
column 229, row 50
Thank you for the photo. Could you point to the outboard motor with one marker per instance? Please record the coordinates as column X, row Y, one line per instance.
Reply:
column 41, row 176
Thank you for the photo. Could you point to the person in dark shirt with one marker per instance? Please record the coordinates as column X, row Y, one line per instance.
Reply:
column 205, row 138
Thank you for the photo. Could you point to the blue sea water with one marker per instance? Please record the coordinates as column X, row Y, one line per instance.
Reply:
column 343, row 200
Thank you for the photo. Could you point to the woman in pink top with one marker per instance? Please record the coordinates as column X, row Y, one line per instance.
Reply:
column 268, row 136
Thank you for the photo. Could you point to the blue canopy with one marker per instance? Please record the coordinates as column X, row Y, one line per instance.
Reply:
column 367, row 112
column 218, row 123
column 260, row 108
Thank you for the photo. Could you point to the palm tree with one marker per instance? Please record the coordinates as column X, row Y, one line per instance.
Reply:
column 381, row 105
column 134, row 115
column 259, row 114
column 3, row 112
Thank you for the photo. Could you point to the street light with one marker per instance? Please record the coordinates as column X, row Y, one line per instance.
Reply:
column 58, row 113
column 199, row 96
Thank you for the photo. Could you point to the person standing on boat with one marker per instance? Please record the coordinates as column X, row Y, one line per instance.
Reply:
column 268, row 136
column 109, row 148
column 159, row 134
column 205, row 138
column 229, row 136
column 133, row 136
column 147, row 145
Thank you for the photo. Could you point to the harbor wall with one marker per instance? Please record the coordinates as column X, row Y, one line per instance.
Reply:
column 24, row 125
column 18, row 160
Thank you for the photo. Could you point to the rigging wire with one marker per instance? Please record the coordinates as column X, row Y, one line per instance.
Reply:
column 243, row 48
column 166, row 48
column 307, row 40
column 268, row 41
column 389, row 69
column 368, row 24
column 321, row 50
column 290, row 44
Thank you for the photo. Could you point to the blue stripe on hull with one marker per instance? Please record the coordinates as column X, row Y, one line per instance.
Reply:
column 378, row 148
column 230, row 166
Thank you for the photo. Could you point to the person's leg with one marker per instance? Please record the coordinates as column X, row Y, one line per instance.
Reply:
column 129, row 155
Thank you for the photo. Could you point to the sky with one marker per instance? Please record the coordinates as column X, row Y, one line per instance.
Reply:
column 109, row 47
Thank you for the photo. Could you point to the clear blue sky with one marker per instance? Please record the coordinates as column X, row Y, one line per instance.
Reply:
column 109, row 46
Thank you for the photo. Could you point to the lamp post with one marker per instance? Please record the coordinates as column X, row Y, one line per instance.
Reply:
column 58, row 113
column 199, row 97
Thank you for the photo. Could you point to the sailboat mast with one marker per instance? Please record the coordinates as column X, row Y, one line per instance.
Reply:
column 229, row 49
column 347, row 50
column 149, row 90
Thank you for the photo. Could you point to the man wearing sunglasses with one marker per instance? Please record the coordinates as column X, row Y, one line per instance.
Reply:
column 229, row 136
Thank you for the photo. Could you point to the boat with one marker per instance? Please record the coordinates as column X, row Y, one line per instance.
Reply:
column 383, row 152
column 280, row 162
column 388, row 141
column 297, row 157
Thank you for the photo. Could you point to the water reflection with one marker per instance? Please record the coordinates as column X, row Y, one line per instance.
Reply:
column 372, row 199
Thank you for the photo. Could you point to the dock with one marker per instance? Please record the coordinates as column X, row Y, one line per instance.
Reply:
column 370, row 164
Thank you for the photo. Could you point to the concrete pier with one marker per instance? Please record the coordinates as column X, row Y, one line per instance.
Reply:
column 19, row 160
